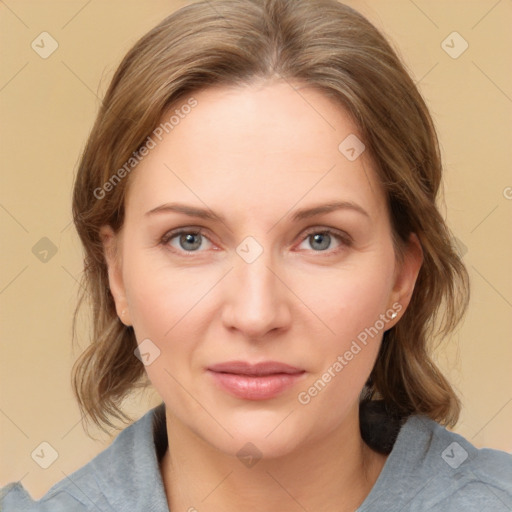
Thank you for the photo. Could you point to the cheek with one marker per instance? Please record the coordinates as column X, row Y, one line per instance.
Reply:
column 167, row 306
column 351, row 299
column 352, row 309
column 154, row 305
column 164, row 308
column 352, row 303
column 160, row 296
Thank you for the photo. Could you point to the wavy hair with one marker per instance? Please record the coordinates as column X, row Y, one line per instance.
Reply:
column 336, row 50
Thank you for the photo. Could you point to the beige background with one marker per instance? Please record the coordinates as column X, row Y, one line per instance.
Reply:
column 47, row 108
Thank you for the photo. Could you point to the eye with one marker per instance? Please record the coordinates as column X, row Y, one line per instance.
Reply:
column 185, row 240
column 320, row 240
column 190, row 240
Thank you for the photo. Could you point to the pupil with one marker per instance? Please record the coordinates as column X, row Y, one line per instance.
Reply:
column 322, row 237
column 189, row 239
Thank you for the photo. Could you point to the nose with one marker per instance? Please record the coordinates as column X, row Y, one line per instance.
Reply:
column 257, row 300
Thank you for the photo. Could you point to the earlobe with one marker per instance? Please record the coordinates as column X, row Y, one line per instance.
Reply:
column 111, row 242
column 407, row 273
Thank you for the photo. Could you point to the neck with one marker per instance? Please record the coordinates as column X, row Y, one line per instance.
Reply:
column 334, row 473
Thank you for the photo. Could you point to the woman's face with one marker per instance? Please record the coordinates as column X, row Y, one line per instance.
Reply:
column 252, row 236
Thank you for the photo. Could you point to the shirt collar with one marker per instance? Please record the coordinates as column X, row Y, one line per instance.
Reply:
column 128, row 472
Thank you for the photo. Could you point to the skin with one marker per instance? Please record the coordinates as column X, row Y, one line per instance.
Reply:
column 256, row 155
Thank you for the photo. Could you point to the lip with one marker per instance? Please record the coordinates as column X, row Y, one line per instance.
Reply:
column 260, row 381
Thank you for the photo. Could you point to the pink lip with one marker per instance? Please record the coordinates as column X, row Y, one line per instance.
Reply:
column 260, row 381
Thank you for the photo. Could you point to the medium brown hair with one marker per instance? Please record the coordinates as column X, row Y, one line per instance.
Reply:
column 334, row 49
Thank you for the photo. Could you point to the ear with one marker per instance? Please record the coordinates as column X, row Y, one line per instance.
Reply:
column 407, row 270
column 111, row 246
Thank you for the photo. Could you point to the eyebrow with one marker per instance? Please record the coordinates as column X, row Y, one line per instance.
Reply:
column 305, row 213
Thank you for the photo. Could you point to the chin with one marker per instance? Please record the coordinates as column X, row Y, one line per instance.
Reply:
column 261, row 434
column 243, row 446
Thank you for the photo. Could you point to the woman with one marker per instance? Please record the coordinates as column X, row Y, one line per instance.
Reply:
column 257, row 205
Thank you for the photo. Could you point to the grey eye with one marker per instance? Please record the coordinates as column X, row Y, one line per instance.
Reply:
column 190, row 241
column 187, row 241
column 320, row 241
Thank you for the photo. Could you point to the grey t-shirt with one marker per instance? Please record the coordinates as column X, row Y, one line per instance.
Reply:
column 429, row 468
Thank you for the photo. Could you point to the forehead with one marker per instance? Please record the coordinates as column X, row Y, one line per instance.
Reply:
column 255, row 147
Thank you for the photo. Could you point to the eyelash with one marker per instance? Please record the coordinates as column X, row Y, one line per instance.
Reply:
column 344, row 239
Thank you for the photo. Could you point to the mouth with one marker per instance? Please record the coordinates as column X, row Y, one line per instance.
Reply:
column 261, row 381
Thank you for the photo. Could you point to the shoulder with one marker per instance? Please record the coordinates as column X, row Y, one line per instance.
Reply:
column 478, row 479
column 432, row 468
column 15, row 498
column 459, row 455
column 126, row 472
